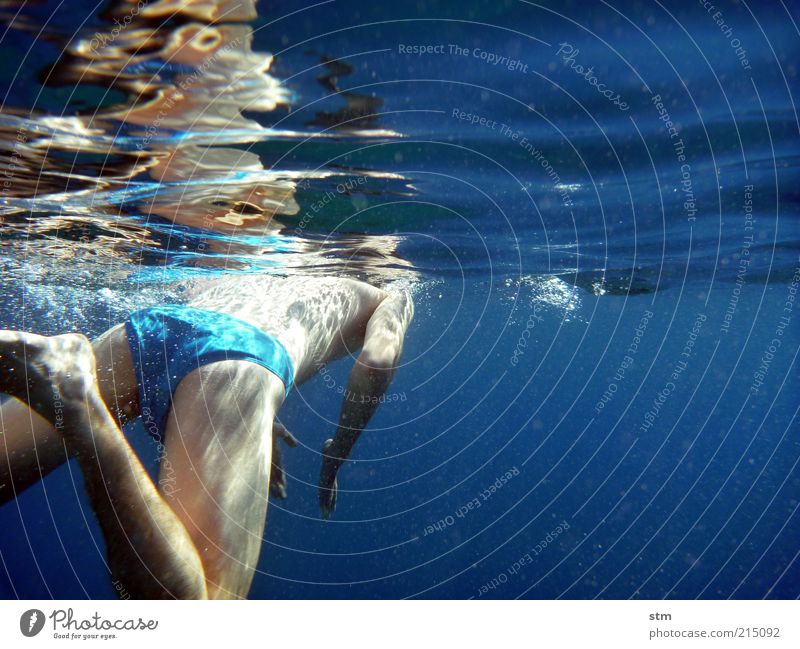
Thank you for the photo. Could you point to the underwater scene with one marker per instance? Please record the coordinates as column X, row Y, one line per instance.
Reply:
column 540, row 259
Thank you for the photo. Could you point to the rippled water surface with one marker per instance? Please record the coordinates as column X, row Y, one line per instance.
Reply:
column 594, row 204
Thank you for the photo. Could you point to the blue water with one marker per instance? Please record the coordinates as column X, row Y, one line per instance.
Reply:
column 606, row 310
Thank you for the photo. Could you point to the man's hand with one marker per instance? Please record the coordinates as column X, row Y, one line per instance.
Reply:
column 277, row 478
column 327, row 481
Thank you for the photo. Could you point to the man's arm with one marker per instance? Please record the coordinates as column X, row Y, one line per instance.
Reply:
column 369, row 379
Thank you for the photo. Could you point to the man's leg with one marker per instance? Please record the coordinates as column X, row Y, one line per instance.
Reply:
column 31, row 447
column 215, row 467
column 369, row 379
column 149, row 550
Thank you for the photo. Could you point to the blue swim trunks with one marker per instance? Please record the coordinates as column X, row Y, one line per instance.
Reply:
column 167, row 342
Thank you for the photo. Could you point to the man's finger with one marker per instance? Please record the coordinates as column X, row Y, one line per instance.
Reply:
column 284, row 434
column 277, row 489
column 277, row 478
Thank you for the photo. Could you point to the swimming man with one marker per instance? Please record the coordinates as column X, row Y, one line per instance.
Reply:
column 208, row 378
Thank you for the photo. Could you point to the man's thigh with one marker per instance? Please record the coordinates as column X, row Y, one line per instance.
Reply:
column 215, row 467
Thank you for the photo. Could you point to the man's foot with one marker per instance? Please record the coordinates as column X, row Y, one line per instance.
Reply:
column 46, row 373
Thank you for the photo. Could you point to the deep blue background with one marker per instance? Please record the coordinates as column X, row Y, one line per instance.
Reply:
column 704, row 503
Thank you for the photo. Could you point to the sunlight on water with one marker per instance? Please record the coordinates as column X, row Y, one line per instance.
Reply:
column 153, row 180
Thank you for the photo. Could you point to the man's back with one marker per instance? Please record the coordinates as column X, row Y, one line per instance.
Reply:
column 316, row 319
